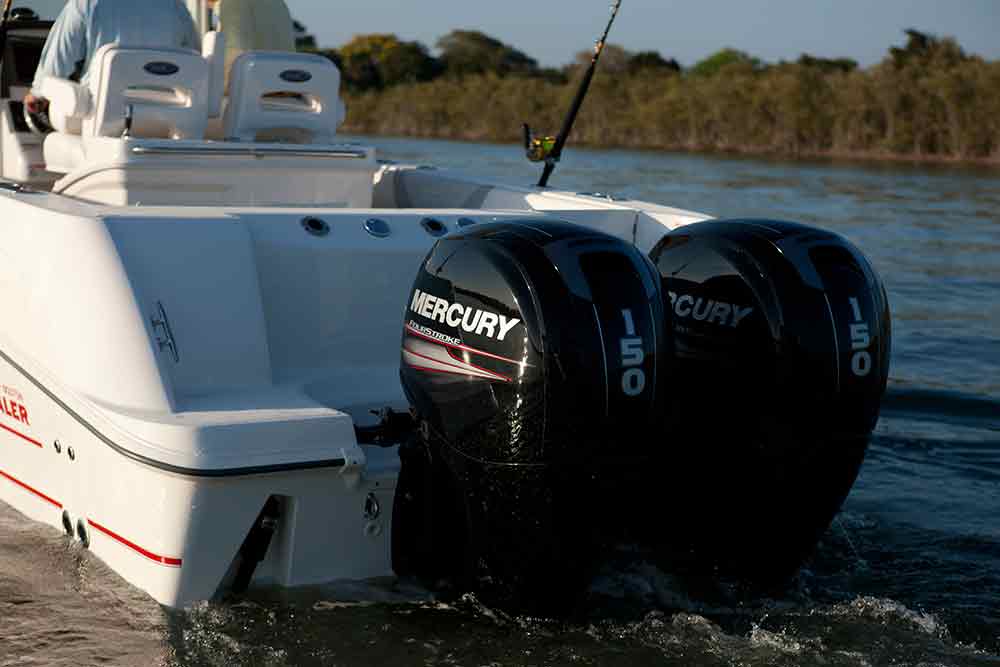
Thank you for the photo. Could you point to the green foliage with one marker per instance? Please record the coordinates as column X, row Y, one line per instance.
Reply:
column 553, row 75
column 720, row 60
column 652, row 60
column 380, row 60
column 925, row 99
column 614, row 59
column 923, row 49
column 936, row 99
column 465, row 52
column 617, row 61
column 828, row 64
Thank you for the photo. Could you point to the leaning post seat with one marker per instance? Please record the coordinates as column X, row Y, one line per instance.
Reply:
column 283, row 97
column 166, row 91
column 283, row 112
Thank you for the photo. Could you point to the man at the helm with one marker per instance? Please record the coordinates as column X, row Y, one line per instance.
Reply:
column 84, row 26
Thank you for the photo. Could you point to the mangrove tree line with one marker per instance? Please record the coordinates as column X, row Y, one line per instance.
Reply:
column 926, row 99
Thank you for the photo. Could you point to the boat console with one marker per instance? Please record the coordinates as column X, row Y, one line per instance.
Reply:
column 21, row 150
column 138, row 133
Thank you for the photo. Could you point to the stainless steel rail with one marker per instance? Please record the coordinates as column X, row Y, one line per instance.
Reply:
column 251, row 151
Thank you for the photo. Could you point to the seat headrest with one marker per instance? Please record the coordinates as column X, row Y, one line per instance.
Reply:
column 289, row 97
column 167, row 90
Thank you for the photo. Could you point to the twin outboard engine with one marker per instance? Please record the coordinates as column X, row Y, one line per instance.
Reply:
column 712, row 401
column 532, row 354
column 781, row 335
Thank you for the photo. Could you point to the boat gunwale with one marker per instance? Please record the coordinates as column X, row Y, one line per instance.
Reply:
column 214, row 473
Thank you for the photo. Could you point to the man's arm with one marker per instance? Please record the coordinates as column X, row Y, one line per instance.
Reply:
column 65, row 47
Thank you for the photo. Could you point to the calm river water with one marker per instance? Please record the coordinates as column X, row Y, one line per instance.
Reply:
column 908, row 575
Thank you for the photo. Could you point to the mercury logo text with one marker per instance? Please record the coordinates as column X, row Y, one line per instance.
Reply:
column 708, row 310
column 455, row 315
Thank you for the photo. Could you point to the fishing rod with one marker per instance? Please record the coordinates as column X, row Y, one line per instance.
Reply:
column 548, row 149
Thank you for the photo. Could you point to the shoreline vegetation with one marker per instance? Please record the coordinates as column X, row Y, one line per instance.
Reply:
column 926, row 101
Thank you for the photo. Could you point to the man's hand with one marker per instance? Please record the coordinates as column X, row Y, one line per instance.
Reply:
column 35, row 104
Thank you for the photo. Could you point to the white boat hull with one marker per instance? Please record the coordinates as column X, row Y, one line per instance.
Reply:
column 175, row 535
column 284, row 341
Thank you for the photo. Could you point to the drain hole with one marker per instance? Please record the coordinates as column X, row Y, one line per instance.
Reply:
column 377, row 227
column 434, row 227
column 315, row 226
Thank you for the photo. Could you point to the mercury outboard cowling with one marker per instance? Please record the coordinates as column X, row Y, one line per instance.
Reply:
column 782, row 337
column 533, row 356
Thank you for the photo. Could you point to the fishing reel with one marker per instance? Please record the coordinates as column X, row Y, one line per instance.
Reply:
column 23, row 14
column 538, row 149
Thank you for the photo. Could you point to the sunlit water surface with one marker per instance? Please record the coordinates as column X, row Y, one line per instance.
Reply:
column 909, row 574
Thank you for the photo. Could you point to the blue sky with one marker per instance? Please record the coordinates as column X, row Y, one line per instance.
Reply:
column 552, row 31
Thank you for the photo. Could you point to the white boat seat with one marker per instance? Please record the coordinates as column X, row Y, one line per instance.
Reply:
column 63, row 152
column 166, row 90
column 283, row 97
column 69, row 104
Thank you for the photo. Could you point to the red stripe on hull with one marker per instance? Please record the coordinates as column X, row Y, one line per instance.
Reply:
column 21, row 435
column 36, row 492
column 156, row 558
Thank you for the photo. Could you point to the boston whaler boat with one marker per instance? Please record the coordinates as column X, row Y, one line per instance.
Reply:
column 214, row 373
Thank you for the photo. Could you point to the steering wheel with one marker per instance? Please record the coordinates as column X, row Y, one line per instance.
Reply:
column 38, row 121
column 23, row 14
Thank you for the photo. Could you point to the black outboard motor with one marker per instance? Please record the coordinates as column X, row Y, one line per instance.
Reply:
column 782, row 338
column 533, row 356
